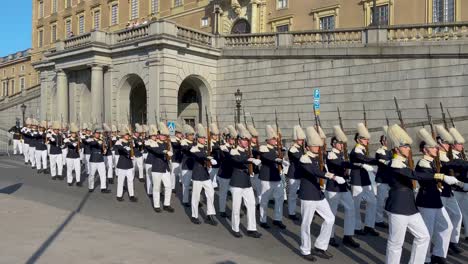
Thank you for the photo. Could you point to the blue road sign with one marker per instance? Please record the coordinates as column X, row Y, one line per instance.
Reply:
column 171, row 126
column 317, row 94
column 316, row 105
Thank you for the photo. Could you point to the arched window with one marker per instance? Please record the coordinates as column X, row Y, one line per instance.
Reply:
column 241, row 26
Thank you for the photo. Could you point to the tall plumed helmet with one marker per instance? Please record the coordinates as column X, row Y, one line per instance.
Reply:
column 145, row 128
column 443, row 135
column 153, row 130
column 252, row 130
column 138, row 128
column 313, row 138
column 56, row 125
column 125, row 130
column 106, row 127
column 243, row 132
column 298, row 133
column 163, row 130
column 425, row 139
column 397, row 137
column 188, row 129
column 214, row 129
column 28, row 121
column 232, row 131
column 179, row 127
column 339, row 135
column 201, row 131
column 73, row 128
column 270, row 132
column 362, row 131
column 114, row 128
column 457, row 137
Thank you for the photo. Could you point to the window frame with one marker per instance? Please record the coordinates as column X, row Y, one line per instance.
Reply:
column 137, row 9
column 286, row 6
column 368, row 4
column 22, row 84
column 318, row 13
column 67, row 33
column 54, row 3
column 79, row 16
column 52, row 40
column 94, row 11
column 151, row 2
column 179, row 5
column 40, row 9
column 111, row 5
column 40, row 37
column 208, row 22
column 12, row 88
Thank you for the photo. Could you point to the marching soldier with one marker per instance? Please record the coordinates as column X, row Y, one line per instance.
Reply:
column 313, row 200
column 461, row 195
column 150, row 143
column 17, row 144
column 124, row 149
column 429, row 200
column 295, row 152
column 270, row 180
column 187, row 163
column 449, row 167
column 32, row 133
column 256, row 169
column 86, row 134
column 338, row 193
column 225, row 170
column 161, row 150
column 176, row 170
column 115, row 138
column 26, row 140
column 56, row 159
column 108, row 159
column 215, row 153
column 138, row 160
column 73, row 144
column 201, row 178
column 360, row 182
column 96, row 161
column 64, row 134
column 382, row 176
column 241, row 186
column 41, row 148
column 401, row 205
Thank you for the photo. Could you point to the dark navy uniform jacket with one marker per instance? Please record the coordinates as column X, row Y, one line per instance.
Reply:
column 240, row 168
column 187, row 159
column 225, row 170
column 26, row 135
column 460, row 172
column 138, row 149
column 216, row 153
column 337, row 165
column 199, row 157
column 55, row 142
column 85, row 144
column 150, row 157
column 159, row 163
column 177, row 150
column 72, row 146
column 269, row 169
column 109, row 144
column 383, row 174
column 95, row 147
column 451, row 167
column 295, row 153
column 255, row 154
column 401, row 195
column 39, row 138
column 428, row 194
column 123, row 150
column 16, row 132
column 359, row 176
column 309, row 190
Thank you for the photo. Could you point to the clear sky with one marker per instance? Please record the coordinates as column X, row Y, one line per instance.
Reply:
column 15, row 32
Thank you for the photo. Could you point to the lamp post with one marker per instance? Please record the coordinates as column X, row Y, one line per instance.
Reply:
column 23, row 111
column 238, row 96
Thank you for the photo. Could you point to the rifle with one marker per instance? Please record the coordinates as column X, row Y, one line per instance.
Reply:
column 253, row 122
column 403, row 126
column 449, row 152
column 365, row 124
column 451, row 119
column 434, row 136
column 78, row 144
column 320, row 154
column 208, row 134
column 443, row 116
column 132, row 150
column 279, row 145
column 345, row 145
column 386, row 120
column 299, row 119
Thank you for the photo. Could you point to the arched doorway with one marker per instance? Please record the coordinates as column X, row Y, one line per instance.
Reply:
column 241, row 26
column 133, row 100
column 192, row 101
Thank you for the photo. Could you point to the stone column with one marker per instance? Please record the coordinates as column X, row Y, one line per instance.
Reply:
column 62, row 95
column 97, row 93
column 109, row 102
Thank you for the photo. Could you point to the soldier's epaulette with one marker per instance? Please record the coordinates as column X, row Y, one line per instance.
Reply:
column 173, row 139
column 194, row 149
column 443, row 156
column 332, row 155
column 305, row 159
column 359, row 150
column 184, row 143
column 264, row 148
column 234, row 152
column 293, row 149
column 424, row 163
column 398, row 164
column 381, row 151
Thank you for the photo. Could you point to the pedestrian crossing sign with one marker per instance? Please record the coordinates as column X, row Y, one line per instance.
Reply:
column 171, row 126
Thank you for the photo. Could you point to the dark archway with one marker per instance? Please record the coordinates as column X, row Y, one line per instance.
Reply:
column 138, row 103
column 189, row 103
column 241, row 26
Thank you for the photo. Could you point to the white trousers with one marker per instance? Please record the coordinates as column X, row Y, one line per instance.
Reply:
column 256, row 187
column 361, row 194
column 64, row 155
column 73, row 164
column 397, row 231
column 213, row 175
column 308, row 209
column 223, row 189
column 32, row 156
column 165, row 178
column 382, row 195
column 17, row 147
column 175, row 174
column 121, row 176
column 56, row 163
column 293, row 187
column 26, row 152
column 209, row 193
column 462, row 198
column 109, row 166
column 271, row 189
column 186, row 180
column 246, row 195
column 345, row 199
column 455, row 214
column 440, row 228
column 86, row 163
column 149, row 178
column 138, row 164
column 100, row 167
column 41, row 159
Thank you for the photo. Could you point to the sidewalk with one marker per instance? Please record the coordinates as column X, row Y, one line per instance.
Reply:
column 36, row 233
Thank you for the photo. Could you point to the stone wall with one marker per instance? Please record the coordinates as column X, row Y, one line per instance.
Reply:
column 10, row 109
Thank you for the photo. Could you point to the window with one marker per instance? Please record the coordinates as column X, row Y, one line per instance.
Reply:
column 81, row 24
column 327, row 23
column 40, row 40
column 178, row 3
column 12, row 89
column 13, row 70
column 53, row 33
column 68, row 26
column 134, row 9
column 282, row 28
column 5, row 88
column 22, row 83
column 54, row 6
column 97, row 19
column 443, row 11
column 114, row 14
column 41, row 9
column 22, row 68
column 205, row 22
column 154, row 6
column 67, row 3
column 381, row 15
column 282, row 4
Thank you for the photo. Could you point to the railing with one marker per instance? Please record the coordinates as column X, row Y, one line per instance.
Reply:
column 133, row 33
column 5, row 142
column 345, row 36
column 251, row 40
column 77, row 41
column 428, row 32
column 194, row 36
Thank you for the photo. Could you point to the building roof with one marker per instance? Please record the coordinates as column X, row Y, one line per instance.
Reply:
column 15, row 56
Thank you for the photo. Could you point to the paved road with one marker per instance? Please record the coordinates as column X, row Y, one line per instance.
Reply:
column 72, row 207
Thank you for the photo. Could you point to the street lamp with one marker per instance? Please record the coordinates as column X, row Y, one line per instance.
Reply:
column 23, row 111
column 238, row 96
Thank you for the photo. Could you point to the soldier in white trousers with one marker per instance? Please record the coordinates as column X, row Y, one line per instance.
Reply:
column 56, row 159
column 15, row 131
column 125, row 165
column 96, row 160
column 254, row 146
column 73, row 144
column 138, row 160
column 225, row 170
column 216, row 153
column 150, row 142
column 295, row 152
column 384, row 155
column 26, row 140
column 187, row 163
column 41, row 148
column 176, row 169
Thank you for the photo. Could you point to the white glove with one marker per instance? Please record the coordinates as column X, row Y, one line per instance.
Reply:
column 285, row 163
column 127, row 148
column 74, row 144
column 329, row 175
column 52, row 139
column 460, row 184
column 224, row 148
column 450, row 180
column 213, row 162
column 139, row 143
column 384, row 161
column 90, row 140
column 465, row 187
column 209, row 157
column 339, row 180
column 257, row 162
column 169, row 153
column 278, row 160
column 66, row 140
column 368, row 168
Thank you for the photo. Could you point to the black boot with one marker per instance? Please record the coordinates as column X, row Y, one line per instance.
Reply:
column 237, row 234
column 223, row 214
column 381, row 225
column 120, row 199
column 210, row 220
column 133, row 199
column 157, row 210
column 195, row 220
column 455, row 249
column 437, row 260
column 168, row 209
column 334, row 243
column 322, row 253
column 293, row 217
column 105, row 191
column 349, row 241
column 279, row 224
column 309, row 257
column 371, row 231
column 254, row 234
column 54, row 178
column 264, row 225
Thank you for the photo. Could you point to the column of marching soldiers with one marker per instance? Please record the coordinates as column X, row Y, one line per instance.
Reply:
column 429, row 199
